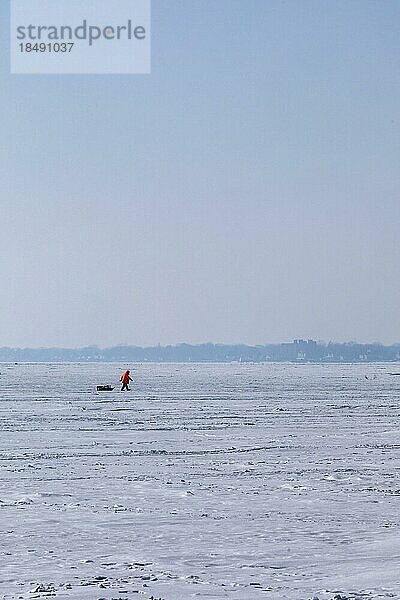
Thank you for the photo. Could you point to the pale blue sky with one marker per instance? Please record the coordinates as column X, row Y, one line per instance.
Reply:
column 246, row 191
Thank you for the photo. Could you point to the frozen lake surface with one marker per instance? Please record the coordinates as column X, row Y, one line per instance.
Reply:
column 236, row 481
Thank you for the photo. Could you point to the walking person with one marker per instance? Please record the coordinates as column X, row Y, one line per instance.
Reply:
column 126, row 378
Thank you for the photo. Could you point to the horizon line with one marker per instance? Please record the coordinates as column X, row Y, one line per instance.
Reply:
column 200, row 344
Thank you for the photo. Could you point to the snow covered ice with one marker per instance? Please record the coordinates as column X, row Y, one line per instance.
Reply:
column 237, row 481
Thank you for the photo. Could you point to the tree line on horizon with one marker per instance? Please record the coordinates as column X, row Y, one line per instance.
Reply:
column 296, row 351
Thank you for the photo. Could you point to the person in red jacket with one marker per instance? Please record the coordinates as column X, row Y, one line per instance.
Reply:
column 126, row 378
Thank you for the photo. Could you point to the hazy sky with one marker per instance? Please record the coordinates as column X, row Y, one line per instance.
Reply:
column 246, row 191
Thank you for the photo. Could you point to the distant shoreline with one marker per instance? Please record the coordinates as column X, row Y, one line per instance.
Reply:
column 298, row 351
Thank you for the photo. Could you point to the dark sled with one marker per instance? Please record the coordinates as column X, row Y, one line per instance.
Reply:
column 104, row 388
